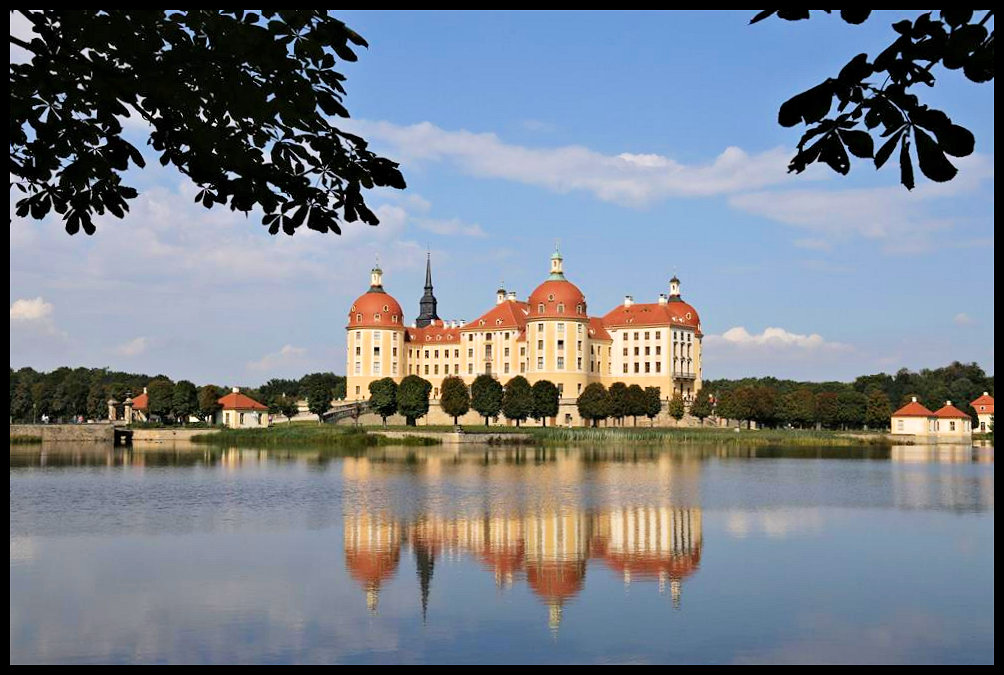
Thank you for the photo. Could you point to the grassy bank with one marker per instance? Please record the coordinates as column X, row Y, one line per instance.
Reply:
column 305, row 435
column 682, row 436
column 25, row 439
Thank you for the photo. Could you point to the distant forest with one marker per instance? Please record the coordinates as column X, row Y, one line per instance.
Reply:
column 68, row 393
column 867, row 401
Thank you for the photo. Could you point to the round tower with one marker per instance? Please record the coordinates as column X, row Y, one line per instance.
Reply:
column 375, row 336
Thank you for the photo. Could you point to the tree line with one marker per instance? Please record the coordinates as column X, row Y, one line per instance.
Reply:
column 868, row 401
column 83, row 393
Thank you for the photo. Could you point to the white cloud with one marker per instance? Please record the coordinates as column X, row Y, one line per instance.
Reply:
column 625, row 178
column 776, row 339
column 452, row 226
column 35, row 310
column 133, row 347
column 900, row 221
column 963, row 319
column 286, row 356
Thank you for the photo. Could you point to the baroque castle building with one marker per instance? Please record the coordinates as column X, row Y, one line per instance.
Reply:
column 548, row 336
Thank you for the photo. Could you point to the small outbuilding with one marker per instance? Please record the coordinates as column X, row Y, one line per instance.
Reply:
column 240, row 411
column 950, row 422
column 913, row 418
column 984, row 407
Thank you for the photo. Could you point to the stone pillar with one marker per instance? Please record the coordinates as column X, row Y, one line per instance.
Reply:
column 127, row 411
column 112, row 409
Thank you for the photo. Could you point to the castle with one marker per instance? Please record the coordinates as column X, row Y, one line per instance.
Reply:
column 549, row 336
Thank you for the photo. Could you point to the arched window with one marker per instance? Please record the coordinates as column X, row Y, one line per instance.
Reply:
column 550, row 297
column 359, row 318
column 376, row 317
column 561, row 308
column 394, row 318
column 540, row 308
column 386, row 308
column 578, row 308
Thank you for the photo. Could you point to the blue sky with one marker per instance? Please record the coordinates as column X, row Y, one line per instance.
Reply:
column 646, row 143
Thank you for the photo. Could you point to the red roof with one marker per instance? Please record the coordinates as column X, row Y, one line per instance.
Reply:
column 950, row 411
column 913, row 409
column 559, row 299
column 376, row 309
column 506, row 314
column 141, row 402
column 436, row 331
column 597, row 330
column 238, row 401
column 673, row 313
column 984, row 405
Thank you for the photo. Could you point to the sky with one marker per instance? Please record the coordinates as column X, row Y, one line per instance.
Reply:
column 645, row 144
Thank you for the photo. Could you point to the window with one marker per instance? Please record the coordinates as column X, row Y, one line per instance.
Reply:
column 658, row 350
column 357, row 391
column 540, row 327
column 578, row 363
column 637, row 367
column 561, row 363
column 636, row 336
column 648, row 350
column 359, row 333
column 393, row 367
column 427, row 369
column 359, row 318
column 426, row 353
column 578, row 328
column 648, row 367
column 505, row 368
column 540, row 363
column 376, row 317
column 625, row 367
column 488, row 336
column 393, row 351
column 456, row 368
column 578, row 308
column 377, row 336
column 951, row 425
column 470, row 337
column 359, row 367
column 540, row 345
column 470, row 353
column 456, row 353
column 658, row 366
column 561, row 345
column 393, row 336
column 646, row 335
column 470, row 368
column 540, row 308
column 435, row 353
column 506, row 336
column 376, row 351
column 435, row 370
column 505, row 352
column 376, row 367
column 578, row 388
column 637, row 351
column 359, row 351
column 561, row 308
column 561, row 328
column 522, row 351
column 561, row 390
column 658, row 335
column 625, row 351
column 488, row 351
column 578, row 346
column 550, row 297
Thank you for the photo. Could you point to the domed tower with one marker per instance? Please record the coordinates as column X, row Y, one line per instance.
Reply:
column 375, row 339
column 558, row 332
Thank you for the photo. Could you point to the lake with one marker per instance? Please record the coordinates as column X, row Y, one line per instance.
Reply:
column 638, row 555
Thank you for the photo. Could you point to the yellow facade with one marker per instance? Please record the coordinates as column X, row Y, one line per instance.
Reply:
column 543, row 338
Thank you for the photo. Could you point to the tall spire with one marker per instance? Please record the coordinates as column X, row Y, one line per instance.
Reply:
column 427, row 305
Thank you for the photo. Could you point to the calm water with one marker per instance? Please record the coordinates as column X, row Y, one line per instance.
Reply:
column 707, row 555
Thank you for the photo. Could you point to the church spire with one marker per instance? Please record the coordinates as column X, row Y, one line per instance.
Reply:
column 427, row 305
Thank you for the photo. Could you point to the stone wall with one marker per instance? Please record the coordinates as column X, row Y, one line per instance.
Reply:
column 59, row 433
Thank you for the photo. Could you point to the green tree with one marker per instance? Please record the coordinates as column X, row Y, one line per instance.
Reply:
column 517, row 399
column 851, row 409
column 184, row 400
column 878, row 409
column 618, row 393
column 209, row 402
column 97, row 400
column 486, row 396
column 277, row 387
column 594, row 403
column 413, row 398
column 762, row 401
column 701, row 408
column 454, row 398
column 160, row 395
column 545, row 401
column 281, row 404
column 240, row 102
column 21, row 401
column 873, row 99
column 653, row 403
column 798, row 408
column 676, row 407
column 318, row 398
column 637, row 403
column 827, row 408
column 383, row 397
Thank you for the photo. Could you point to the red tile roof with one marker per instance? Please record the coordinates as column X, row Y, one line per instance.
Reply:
column 559, row 298
column 676, row 313
column 437, row 332
column 913, row 409
column 141, row 402
column 507, row 314
column 950, row 411
column 984, row 405
column 376, row 309
column 597, row 330
column 238, row 401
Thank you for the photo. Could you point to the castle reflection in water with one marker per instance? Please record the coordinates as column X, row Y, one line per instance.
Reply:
column 546, row 545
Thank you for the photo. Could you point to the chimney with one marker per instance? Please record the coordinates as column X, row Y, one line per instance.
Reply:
column 663, row 300
column 948, row 403
column 628, row 300
column 144, row 390
column 235, row 390
column 985, row 394
column 512, row 295
column 913, row 398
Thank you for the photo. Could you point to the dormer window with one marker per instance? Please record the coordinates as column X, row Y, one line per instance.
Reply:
column 394, row 319
column 561, row 308
column 359, row 318
column 540, row 308
column 376, row 317
column 386, row 308
column 550, row 297
column 578, row 308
